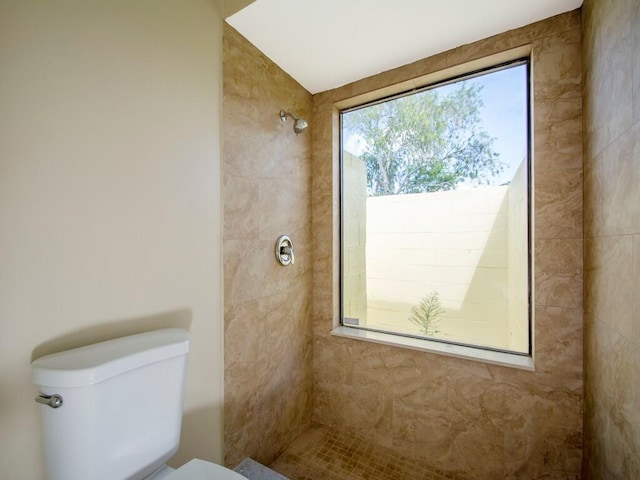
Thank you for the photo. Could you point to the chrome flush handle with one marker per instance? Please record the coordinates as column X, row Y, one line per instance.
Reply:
column 54, row 401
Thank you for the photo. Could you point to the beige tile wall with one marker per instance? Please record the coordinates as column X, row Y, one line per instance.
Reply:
column 490, row 421
column 611, row 76
column 267, row 192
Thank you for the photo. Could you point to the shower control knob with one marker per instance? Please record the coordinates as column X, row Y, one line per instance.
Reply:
column 284, row 250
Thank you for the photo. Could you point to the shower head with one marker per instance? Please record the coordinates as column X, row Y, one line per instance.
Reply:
column 299, row 124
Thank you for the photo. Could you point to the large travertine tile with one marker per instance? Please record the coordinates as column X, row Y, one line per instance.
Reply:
column 253, row 394
column 599, row 344
column 557, row 60
column 558, row 273
column 426, row 434
column 354, row 409
column 635, row 59
column 625, row 400
column 558, row 200
column 557, row 129
column 397, row 75
column 560, row 350
column 253, row 272
column 240, row 219
column 610, row 290
column 635, row 290
column 284, row 208
column 593, row 198
column 602, row 341
column 608, row 72
column 556, row 454
column 621, row 178
column 270, row 152
column 594, row 444
column 618, row 462
column 481, row 450
column 562, row 256
column 539, row 401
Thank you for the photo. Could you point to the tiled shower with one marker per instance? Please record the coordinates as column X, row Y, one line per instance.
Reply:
column 286, row 375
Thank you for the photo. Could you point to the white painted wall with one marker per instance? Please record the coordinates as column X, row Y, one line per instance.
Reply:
column 109, row 196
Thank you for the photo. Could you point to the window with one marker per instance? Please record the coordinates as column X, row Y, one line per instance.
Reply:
column 435, row 200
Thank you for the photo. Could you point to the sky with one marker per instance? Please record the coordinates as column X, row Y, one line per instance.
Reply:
column 505, row 115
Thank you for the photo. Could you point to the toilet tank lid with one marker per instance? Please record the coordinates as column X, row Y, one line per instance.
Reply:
column 95, row 363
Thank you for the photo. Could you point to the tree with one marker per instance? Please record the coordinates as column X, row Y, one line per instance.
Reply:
column 425, row 142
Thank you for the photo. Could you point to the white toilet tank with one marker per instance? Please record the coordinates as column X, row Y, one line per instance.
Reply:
column 121, row 408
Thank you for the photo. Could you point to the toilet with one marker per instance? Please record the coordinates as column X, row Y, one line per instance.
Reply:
column 113, row 410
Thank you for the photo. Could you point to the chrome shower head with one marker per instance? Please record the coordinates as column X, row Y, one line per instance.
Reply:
column 299, row 124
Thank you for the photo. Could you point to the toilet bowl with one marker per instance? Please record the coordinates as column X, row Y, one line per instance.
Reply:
column 197, row 469
column 113, row 410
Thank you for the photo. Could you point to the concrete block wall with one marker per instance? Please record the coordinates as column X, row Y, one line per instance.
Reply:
column 454, row 243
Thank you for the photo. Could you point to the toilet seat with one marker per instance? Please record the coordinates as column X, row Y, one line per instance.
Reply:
column 197, row 469
column 162, row 473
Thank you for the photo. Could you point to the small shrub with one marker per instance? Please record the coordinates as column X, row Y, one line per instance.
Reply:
column 427, row 314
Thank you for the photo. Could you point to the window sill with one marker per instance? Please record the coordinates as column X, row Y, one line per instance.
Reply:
column 513, row 360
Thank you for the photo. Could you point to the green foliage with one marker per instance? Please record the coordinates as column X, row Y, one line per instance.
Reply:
column 426, row 142
column 427, row 314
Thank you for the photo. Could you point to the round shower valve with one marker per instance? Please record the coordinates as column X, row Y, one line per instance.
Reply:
column 284, row 250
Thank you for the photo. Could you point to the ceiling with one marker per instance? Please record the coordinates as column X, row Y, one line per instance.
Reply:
column 324, row 44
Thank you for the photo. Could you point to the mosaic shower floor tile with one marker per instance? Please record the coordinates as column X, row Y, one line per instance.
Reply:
column 324, row 454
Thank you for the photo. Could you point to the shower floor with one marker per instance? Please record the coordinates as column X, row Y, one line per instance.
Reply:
column 323, row 454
